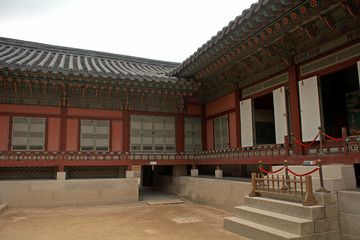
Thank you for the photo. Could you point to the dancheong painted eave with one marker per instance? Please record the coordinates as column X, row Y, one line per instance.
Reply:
column 221, row 35
column 31, row 56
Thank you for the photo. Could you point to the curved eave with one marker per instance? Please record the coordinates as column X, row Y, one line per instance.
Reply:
column 221, row 35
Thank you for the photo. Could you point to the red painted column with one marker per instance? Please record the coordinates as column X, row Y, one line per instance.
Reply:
column 5, row 136
column 295, row 107
column 237, row 114
column 126, row 132
column 63, row 136
column 179, row 133
column 61, row 167
column 203, row 128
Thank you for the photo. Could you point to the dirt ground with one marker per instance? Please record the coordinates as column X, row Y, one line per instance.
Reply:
column 120, row 222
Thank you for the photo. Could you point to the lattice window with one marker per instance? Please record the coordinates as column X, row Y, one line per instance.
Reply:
column 221, row 132
column 94, row 135
column 152, row 133
column 28, row 134
column 193, row 135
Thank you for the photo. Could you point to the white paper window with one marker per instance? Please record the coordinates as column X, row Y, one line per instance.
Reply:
column 152, row 133
column 94, row 135
column 28, row 134
column 221, row 132
column 193, row 141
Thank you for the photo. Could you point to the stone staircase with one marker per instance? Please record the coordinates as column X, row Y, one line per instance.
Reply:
column 265, row 218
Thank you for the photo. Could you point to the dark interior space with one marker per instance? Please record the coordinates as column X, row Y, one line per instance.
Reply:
column 147, row 174
column 357, row 174
column 334, row 88
column 264, row 119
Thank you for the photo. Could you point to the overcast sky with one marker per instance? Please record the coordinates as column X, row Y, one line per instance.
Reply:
column 157, row 29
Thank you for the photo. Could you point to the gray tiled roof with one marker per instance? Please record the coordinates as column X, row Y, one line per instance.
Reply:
column 30, row 56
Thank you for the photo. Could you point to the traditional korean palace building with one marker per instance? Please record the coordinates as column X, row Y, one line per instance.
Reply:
column 256, row 91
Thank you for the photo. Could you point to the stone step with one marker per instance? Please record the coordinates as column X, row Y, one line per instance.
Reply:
column 3, row 208
column 295, row 225
column 294, row 209
column 256, row 231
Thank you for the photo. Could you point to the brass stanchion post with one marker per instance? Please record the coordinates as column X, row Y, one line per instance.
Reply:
column 321, row 152
column 322, row 188
column 286, row 173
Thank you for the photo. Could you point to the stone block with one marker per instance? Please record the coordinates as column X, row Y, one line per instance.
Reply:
column 335, row 170
column 218, row 173
column 327, row 225
column 333, row 235
column 92, row 196
column 194, row 172
column 64, row 198
column 90, row 184
column 350, row 224
column 28, row 199
column 332, row 211
column 179, row 170
column 347, row 237
column 60, row 175
column 349, row 202
column 350, row 183
column 129, row 198
column 325, row 199
column 45, row 185
column 15, row 186
column 130, row 174
column 110, row 195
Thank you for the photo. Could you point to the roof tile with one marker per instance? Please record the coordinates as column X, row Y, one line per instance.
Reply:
column 23, row 55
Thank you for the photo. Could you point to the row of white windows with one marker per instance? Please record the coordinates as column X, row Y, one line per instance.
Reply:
column 28, row 134
column 147, row 133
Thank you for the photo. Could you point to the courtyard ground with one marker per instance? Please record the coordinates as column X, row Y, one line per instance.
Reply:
column 121, row 222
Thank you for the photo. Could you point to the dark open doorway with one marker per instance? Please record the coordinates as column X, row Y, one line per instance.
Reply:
column 336, row 89
column 147, row 175
column 264, row 119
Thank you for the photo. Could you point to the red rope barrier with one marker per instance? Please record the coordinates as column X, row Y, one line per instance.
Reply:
column 356, row 134
column 300, row 175
column 271, row 172
column 305, row 144
column 337, row 139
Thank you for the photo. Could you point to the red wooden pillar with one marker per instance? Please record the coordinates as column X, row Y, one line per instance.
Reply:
column 126, row 132
column 63, row 130
column 237, row 114
column 63, row 135
column 179, row 133
column 203, row 128
column 5, row 136
column 295, row 107
column 61, row 168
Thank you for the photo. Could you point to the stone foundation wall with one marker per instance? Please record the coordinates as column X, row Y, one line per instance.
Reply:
column 217, row 193
column 53, row 193
column 337, row 177
column 349, row 212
